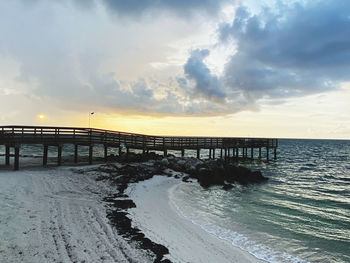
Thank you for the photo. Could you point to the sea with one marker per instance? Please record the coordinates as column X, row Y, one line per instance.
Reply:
column 301, row 214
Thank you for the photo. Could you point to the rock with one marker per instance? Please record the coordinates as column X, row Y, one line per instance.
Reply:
column 108, row 168
column 227, row 187
column 164, row 162
column 185, row 178
column 207, row 177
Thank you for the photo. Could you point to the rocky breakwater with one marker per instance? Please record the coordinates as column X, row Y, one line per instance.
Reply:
column 140, row 168
column 215, row 172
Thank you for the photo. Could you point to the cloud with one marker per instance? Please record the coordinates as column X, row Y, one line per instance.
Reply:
column 292, row 51
column 206, row 84
column 178, row 7
column 85, row 59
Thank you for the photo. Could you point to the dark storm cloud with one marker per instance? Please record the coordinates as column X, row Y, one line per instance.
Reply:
column 206, row 84
column 296, row 50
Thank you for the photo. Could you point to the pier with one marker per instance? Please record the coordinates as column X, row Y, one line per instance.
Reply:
column 229, row 147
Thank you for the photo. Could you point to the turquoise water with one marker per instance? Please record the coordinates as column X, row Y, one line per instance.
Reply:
column 302, row 214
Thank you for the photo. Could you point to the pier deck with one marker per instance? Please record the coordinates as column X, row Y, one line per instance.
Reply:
column 15, row 136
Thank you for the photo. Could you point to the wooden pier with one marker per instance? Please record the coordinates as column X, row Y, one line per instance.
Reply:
column 230, row 147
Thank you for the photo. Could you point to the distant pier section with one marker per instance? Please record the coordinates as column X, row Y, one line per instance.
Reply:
column 228, row 147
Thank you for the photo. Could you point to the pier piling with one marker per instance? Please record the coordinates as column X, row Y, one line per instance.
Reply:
column 7, row 155
column 46, row 148
column 59, row 155
column 16, row 157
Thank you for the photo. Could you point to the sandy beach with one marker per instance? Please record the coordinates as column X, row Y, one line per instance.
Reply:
column 57, row 215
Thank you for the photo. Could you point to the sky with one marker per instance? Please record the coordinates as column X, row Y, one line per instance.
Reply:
column 243, row 68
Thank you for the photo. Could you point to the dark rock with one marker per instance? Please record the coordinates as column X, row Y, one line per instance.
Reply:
column 108, row 168
column 227, row 187
column 185, row 178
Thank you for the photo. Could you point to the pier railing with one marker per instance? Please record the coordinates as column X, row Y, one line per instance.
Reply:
column 86, row 136
column 13, row 136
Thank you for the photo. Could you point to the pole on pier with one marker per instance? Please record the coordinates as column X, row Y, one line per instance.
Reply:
column 198, row 153
column 259, row 152
column 59, row 155
column 183, row 153
column 275, row 153
column 267, row 153
column 46, row 148
column 251, row 153
column 7, row 155
column 75, row 153
column 17, row 157
column 91, row 147
column 105, row 152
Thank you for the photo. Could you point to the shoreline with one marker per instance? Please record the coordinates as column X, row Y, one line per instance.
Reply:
column 186, row 241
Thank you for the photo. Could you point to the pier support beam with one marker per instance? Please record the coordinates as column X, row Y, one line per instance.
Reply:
column 16, row 167
column 275, row 153
column 252, row 153
column 7, row 155
column 221, row 153
column 105, row 153
column 209, row 153
column 183, row 153
column 213, row 153
column 165, row 152
column 120, row 151
column 46, row 148
column 91, row 148
column 75, row 153
column 259, row 152
column 237, row 153
column 198, row 153
column 267, row 153
column 225, row 153
column 59, row 155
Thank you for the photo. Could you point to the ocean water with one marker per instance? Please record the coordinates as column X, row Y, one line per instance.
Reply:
column 302, row 214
